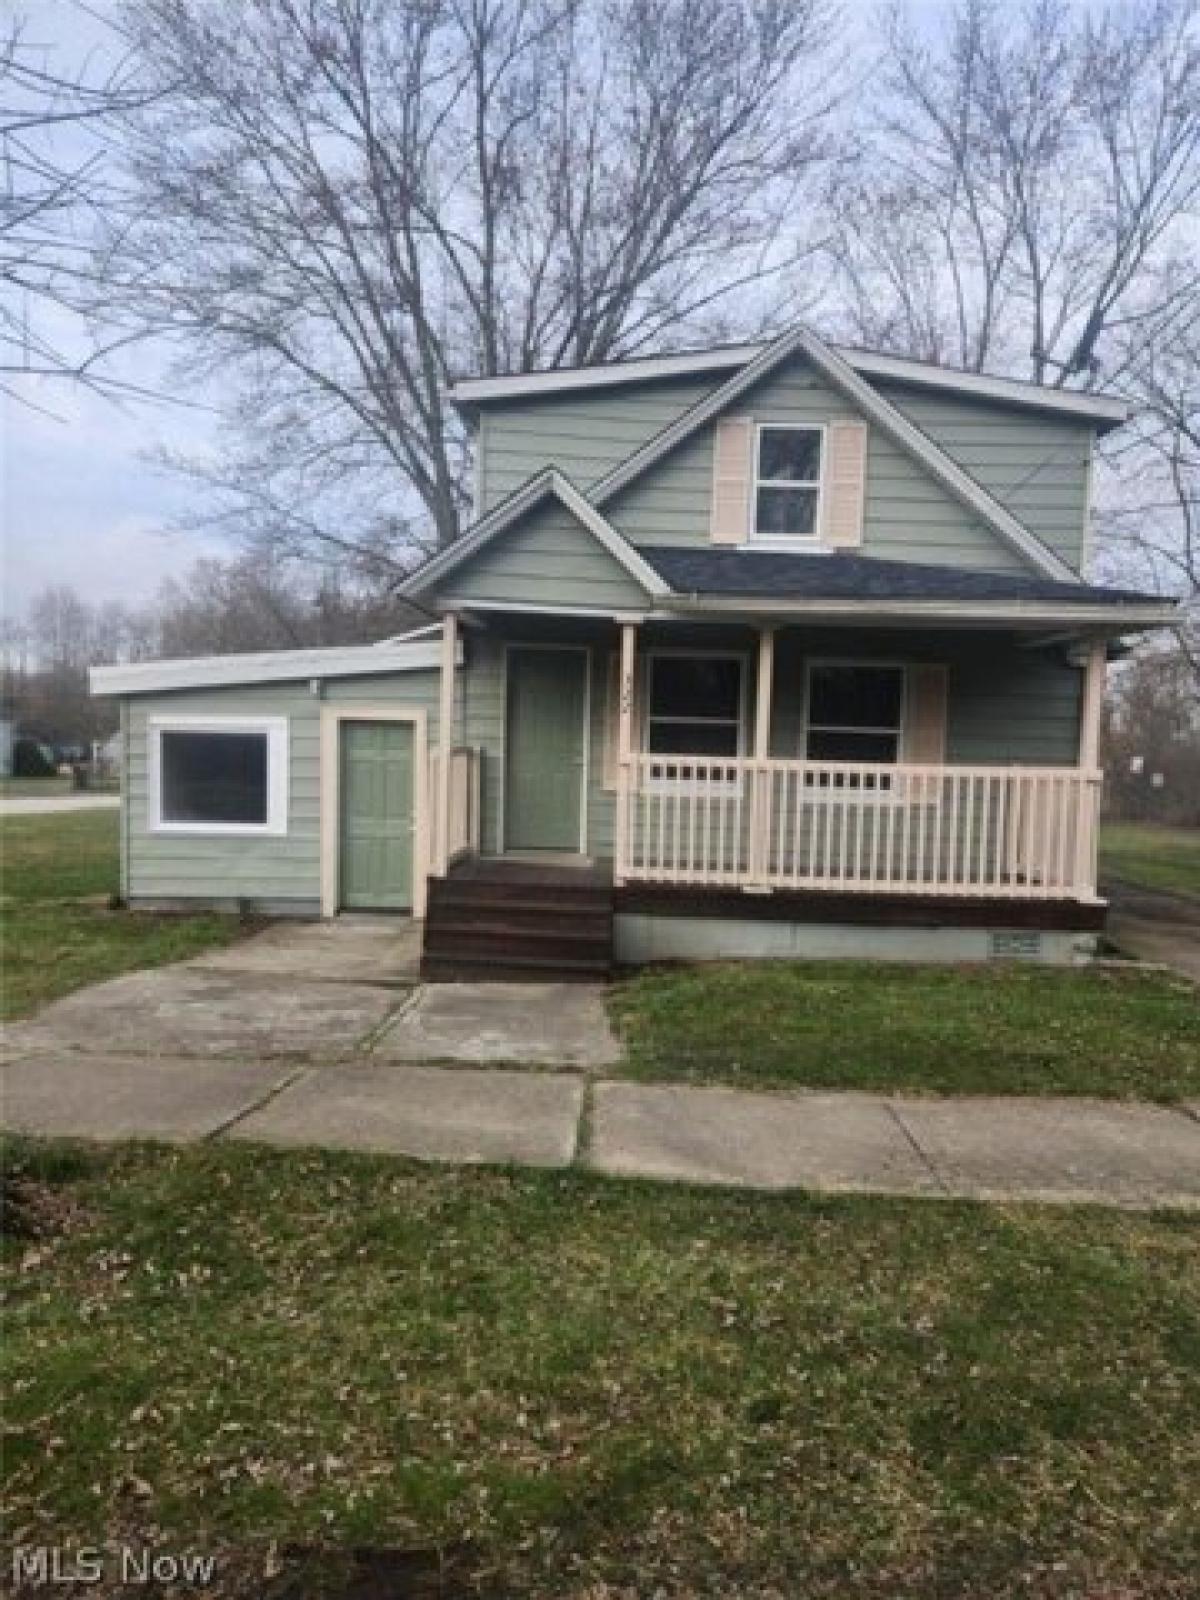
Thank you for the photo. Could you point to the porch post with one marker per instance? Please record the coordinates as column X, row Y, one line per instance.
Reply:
column 441, row 852
column 1095, row 670
column 1087, row 816
column 625, row 688
column 760, row 806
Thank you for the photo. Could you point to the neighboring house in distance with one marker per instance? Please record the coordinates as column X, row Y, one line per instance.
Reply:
column 7, row 740
column 776, row 649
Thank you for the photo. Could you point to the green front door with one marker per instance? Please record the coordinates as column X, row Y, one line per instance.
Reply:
column 377, row 816
column 543, row 789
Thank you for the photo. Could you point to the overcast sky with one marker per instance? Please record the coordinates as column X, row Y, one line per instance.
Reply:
column 80, row 502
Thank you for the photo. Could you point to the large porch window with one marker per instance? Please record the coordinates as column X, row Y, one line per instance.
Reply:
column 694, row 705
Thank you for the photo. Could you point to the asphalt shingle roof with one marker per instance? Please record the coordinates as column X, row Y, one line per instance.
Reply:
column 842, row 576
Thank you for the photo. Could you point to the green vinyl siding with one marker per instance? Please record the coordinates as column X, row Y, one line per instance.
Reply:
column 261, row 869
column 548, row 558
column 907, row 516
column 583, row 435
column 1035, row 465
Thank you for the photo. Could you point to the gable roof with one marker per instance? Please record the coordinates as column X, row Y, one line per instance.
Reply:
column 888, row 418
column 1101, row 410
column 545, row 485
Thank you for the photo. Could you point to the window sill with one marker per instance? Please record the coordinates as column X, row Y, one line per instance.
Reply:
column 798, row 544
column 220, row 830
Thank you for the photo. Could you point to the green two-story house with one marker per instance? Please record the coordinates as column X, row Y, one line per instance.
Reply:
column 777, row 649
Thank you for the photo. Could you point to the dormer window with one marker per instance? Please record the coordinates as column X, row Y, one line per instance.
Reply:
column 787, row 482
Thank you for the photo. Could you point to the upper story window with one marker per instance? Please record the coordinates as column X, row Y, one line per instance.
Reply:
column 218, row 775
column 787, row 482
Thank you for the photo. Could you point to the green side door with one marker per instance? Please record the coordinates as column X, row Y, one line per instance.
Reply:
column 377, row 816
column 543, row 788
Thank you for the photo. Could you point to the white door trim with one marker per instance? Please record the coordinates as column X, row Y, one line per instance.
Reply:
column 585, row 772
column 332, row 717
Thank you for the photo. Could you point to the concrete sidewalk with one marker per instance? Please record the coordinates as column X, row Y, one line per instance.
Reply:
column 1057, row 1151
column 36, row 805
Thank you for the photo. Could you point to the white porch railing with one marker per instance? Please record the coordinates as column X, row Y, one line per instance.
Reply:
column 463, row 833
column 1016, row 832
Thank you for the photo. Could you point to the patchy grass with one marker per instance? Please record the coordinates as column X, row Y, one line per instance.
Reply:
column 948, row 1030
column 571, row 1382
column 1152, row 857
column 57, row 931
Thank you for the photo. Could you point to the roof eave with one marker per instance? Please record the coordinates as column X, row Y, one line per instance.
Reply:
column 1016, row 613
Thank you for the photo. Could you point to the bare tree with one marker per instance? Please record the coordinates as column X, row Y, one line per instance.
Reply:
column 342, row 204
column 1151, row 519
column 56, row 183
column 1028, row 188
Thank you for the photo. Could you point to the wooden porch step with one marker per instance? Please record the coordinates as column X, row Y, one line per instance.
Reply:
column 483, row 891
column 512, row 969
column 521, row 921
column 471, row 911
column 500, row 940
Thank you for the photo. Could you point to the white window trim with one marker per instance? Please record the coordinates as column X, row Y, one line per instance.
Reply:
column 883, row 796
column 783, row 541
column 683, row 785
column 278, row 767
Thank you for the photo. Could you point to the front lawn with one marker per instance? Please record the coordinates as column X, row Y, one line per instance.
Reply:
column 573, row 1387
column 57, row 931
column 1151, row 857
column 949, row 1030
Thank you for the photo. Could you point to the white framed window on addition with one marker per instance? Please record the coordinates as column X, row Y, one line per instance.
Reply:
column 218, row 775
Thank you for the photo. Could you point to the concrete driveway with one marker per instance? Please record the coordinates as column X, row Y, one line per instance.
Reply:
column 1156, row 925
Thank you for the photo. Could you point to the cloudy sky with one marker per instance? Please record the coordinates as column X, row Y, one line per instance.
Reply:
column 80, row 500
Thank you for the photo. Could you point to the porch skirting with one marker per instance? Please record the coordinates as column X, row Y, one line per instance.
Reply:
column 667, row 924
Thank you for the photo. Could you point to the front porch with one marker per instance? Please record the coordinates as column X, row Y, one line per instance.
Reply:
column 718, row 761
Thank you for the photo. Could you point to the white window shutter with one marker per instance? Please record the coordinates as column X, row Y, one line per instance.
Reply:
column 733, row 471
column 925, row 716
column 845, row 485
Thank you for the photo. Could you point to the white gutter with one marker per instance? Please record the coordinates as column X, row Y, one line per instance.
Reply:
column 272, row 666
column 1021, row 612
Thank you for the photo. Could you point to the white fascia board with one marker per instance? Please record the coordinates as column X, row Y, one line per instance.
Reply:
column 274, row 666
column 1096, row 408
column 1103, row 410
column 638, row 369
column 547, row 484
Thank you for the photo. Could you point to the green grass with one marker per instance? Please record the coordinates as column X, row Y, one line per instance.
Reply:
column 584, row 1387
column 1152, row 857
column 56, row 929
column 948, row 1030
